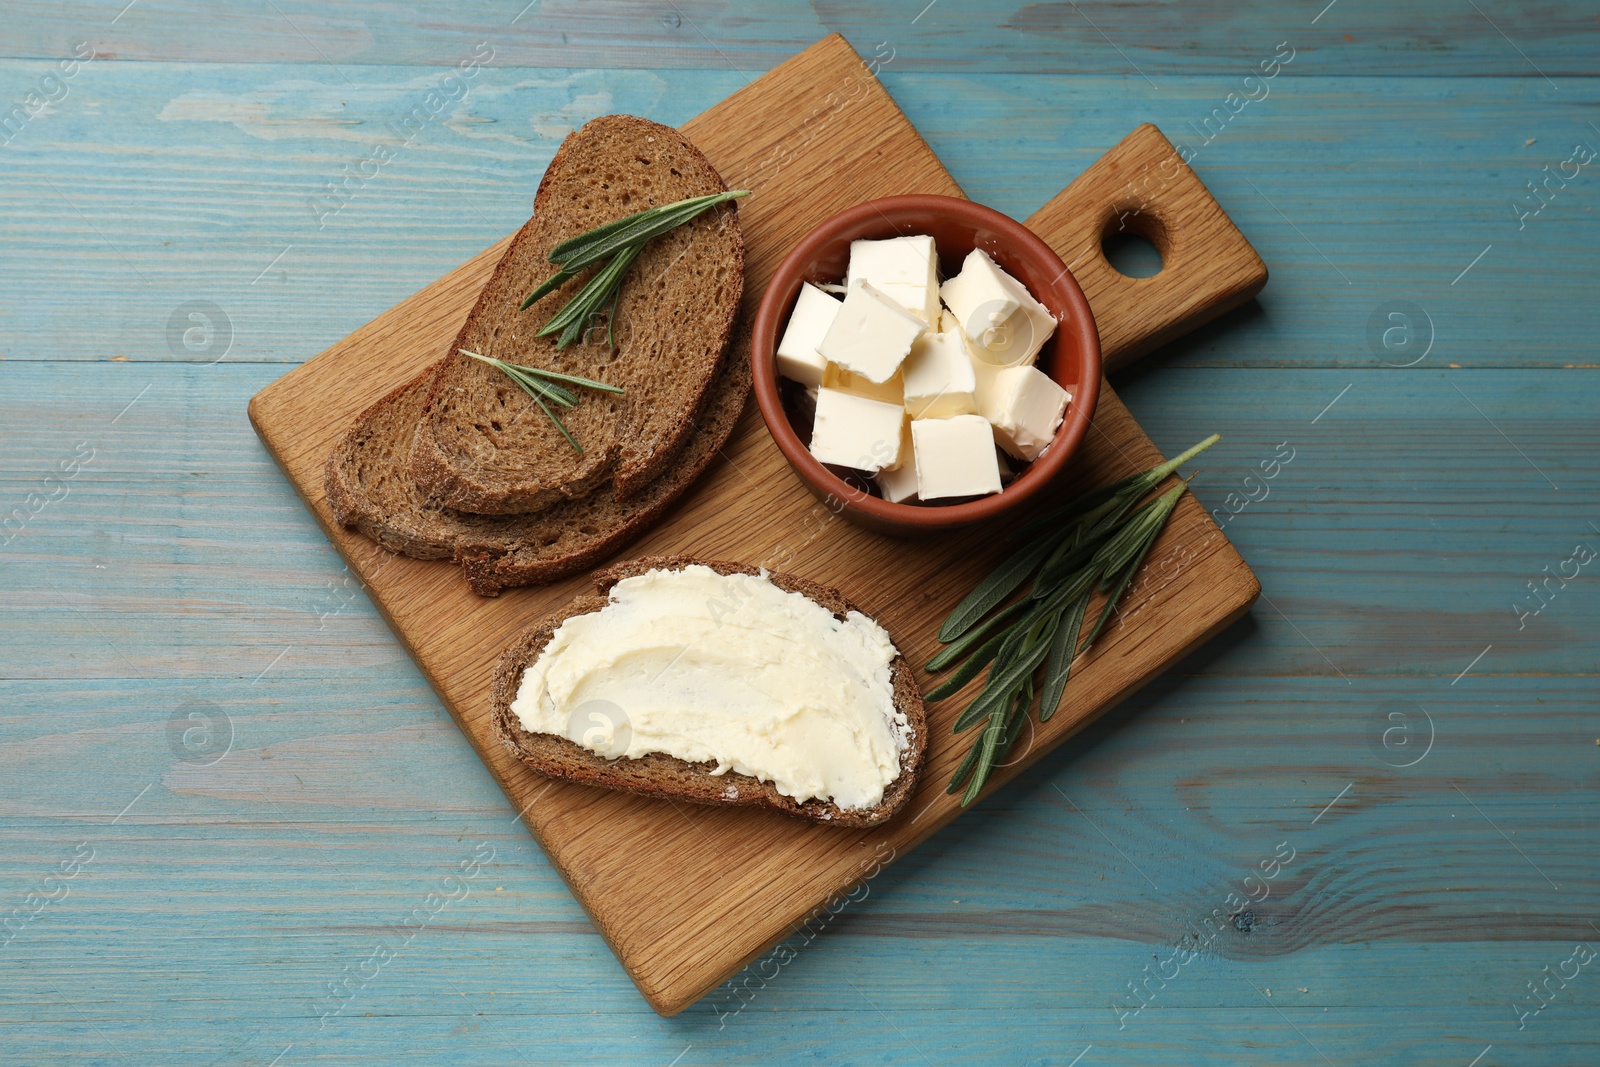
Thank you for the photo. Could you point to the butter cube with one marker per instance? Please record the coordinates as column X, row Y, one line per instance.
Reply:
column 814, row 311
column 954, row 457
column 984, row 369
column 979, row 296
column 899, row 482
column 853, row 431
column 889, row 392
column 906, row 269
column 899, row 486
column 984, row 374
column 1025, row 407
column 939, row 379
column 997, row 313
column 871, row 335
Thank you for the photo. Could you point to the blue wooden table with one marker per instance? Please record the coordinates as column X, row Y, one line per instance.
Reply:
column 1358, row 828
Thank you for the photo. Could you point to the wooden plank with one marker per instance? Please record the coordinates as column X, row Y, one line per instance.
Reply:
column 1162, row 784
column 817, row 129
column 1136, row 41
column 1142, row 186
column 1395, row 541
column 194, row 190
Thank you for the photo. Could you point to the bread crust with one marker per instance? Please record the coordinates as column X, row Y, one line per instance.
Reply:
column 498, row 552
column 626, row 465
column 660, row 775
column 352, row 504
column 494, row 560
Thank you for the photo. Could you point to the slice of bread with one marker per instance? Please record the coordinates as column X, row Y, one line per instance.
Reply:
column 660, row 775
column 369, row 484
column 370, row 488
column 482, row 445
column 569, row 537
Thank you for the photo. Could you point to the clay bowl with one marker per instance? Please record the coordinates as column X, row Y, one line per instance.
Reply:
column 1071, row 356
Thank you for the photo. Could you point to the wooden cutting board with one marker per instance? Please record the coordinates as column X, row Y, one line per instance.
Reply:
column 686, row 895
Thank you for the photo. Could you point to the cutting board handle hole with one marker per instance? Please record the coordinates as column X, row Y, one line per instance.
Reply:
column 1135, row 243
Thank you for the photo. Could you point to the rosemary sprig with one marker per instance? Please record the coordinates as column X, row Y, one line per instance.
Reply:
column 603, row 241
column 1096, row 541
column 541, row 385
column 616, row 244
column 571, row 319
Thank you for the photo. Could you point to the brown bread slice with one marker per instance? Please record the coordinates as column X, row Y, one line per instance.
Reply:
column 657, row 774
column 369, row 484
column 482, row 445
column 370, row 488
column 581, row 533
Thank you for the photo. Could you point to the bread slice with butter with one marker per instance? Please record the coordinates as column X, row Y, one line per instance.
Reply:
column 659, row 774
column 482, row 445
column 370, row 488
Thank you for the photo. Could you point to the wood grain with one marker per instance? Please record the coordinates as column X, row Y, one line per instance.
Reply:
column 181, row 550
column 181, row 565
column 1136, row 41
column 817, row 129
column 197, row 183
column 1142, row 186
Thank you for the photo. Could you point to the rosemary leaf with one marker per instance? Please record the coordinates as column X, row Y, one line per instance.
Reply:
column 1152, row 517
column 989, row 757
column 1058, row 665
column 535, row 388
column 1145, row 480
column 1114, row 554
column 611, row 318
column 1089, row 534
column 965, row 768
column 1089, row 507
column 1010, row 679
column 595, row 293
column 551, row 284
column 571, row 440
column 588, row 383
column 1080, row 584
column 1164, row 508
column 586, row 249
column 987, row 745
column 531, row 379
column 1021, row 638
column 982, row 705
column 993, row 696
column 617, row 242
column 530, row 384
column 1072, row 554
column 1014, row 720
column 567, row 250
column 1013, row 644
column 549, row 390
column 972, row 637
column 993, row 589
column 968, row 670
column 543, row 377
column 573, row 331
